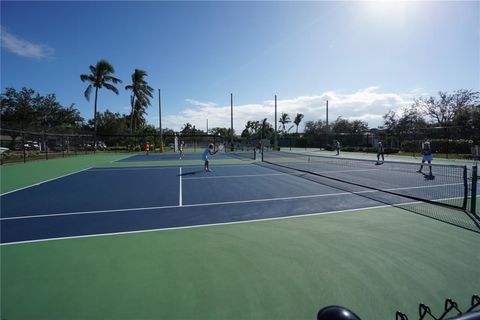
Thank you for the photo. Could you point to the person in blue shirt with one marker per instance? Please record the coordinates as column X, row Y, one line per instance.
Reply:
column 208, row 151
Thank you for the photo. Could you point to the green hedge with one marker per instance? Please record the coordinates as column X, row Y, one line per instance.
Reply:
column 460, row 146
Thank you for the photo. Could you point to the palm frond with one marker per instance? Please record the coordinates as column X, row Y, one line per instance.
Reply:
column 87, row 78
column 110, row 87
column 112, row 79
column 87, row 92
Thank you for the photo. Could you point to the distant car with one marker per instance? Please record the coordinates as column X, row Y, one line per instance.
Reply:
column 3, row 150
column 101, row 145
column 31, row 145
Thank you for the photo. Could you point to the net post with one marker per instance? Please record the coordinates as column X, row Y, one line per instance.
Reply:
column 473, row 204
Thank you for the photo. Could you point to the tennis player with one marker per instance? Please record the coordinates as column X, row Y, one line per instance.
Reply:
column 208, row 151
column 380, row 152
column 427, row 156
column 337, row 147
column 180, row 148
column 147, row 148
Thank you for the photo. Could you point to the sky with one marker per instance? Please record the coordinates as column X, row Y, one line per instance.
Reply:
column 365, row 58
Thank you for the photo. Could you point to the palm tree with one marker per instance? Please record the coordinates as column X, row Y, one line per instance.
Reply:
column 141, row 92
column 297, row 120
column 263, row 126
column 284, row 119
column 100, row 76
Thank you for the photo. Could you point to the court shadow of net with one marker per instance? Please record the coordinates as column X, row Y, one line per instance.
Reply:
column 455, row 217
column 190, row 173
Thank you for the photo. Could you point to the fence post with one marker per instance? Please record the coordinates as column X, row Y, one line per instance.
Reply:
column 45, row 144
column 473, row 203
column 23, row 147
column 63, row 147
column 465, row 188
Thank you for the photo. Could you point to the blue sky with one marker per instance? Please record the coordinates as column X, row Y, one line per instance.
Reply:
column 364, row 57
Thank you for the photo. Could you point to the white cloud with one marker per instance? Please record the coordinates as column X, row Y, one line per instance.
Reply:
column 367, row 105
column 201, row 104
column 23, row 47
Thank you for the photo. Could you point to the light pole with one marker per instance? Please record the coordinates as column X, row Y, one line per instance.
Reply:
column 160, row 120
column 231, row 121
column 275, row 139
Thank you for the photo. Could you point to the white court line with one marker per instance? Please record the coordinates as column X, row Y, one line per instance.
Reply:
column 272, row 174
column 100, row 169
column 201, row 225
column 39, row 183
column 174, row 206
column 342, row 171
column 210, row 204
column 126, row 157
column 180, row 197
column 156, row 167
column 240, row 176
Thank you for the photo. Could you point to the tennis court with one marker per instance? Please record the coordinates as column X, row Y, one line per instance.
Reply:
column 273, row 239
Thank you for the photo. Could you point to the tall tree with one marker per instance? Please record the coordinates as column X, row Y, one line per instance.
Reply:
column 449, row 109
column 315, row 128
column 140, row 98
column 265, row 129
column 112, row 124
column 284, row 119
column 19, row 109
column 189, row 129
column 298, row 119
column 28, row 110
column 222, row 132
column 100, row 76
column 346, row 126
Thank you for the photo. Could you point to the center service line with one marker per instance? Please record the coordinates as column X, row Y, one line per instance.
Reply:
column 180, row 202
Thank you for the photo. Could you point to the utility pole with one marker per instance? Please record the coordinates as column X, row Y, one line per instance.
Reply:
column 231, row 121
column 327, row 116
column 328, row 128
column 160, row 120
column 207, row 126
column 275, row 139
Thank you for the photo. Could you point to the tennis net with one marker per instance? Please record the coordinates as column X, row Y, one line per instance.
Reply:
column 445, row 185
column 243, row 152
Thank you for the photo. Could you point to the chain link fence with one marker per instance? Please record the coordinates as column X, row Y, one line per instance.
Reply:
column 446, row 142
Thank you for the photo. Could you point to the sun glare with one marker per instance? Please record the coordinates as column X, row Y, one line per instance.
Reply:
column 391, row 11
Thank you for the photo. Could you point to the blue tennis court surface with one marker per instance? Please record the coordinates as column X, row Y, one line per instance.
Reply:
column 116, row 200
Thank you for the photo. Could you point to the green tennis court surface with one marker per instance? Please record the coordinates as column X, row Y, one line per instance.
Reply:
column 374, row 261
